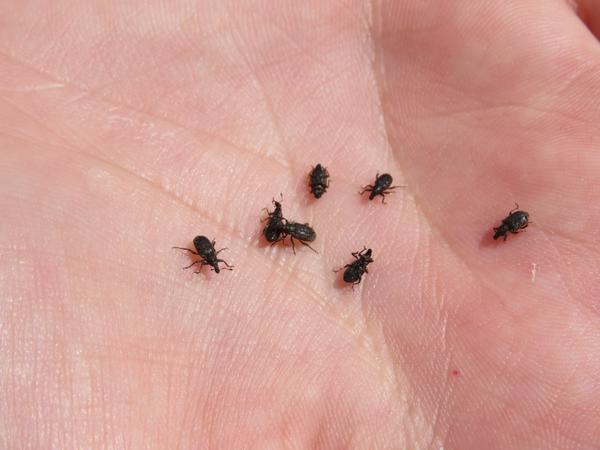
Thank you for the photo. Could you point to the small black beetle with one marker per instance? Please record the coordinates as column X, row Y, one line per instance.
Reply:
column 382, row 186
column 205, row 249
column 357, row 268
column 272, row 231
column 318, row 180
column 515, row 221
column 301, row 231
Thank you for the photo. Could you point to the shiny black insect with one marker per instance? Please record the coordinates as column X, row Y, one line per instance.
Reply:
column 318, row 180
column 515, row 221
column 273, row 230
column 205, row 249
column 303, row 232
column 382, row 186
column 357, row 268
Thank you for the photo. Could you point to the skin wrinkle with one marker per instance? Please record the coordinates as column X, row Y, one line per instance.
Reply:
column 36, row 88
column 260, row 84
column 553, row 231
column 144, row 72
column 565, row 284
column 118, row 169
column 375, row 360
column 55, row 42
column 438, row 435
column 501, row 108
column 33, row 118
column 302, row 51
column 177, row 125
column 553, row 401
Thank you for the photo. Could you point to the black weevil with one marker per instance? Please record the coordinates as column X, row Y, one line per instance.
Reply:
column 205, row 249
column 272, row 231
column 318, row 180
column 301, row 231
column 357, row 268
column 382, row 186
column 515, row 221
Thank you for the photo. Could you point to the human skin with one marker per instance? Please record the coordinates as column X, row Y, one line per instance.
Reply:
column 127, row 128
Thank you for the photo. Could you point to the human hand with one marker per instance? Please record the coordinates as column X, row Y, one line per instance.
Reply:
column 131, row 127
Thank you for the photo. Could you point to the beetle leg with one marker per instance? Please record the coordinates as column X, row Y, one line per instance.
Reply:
column 513, row 210
column 304, row 243
column 224, row 248
column 187, row 250
column 195, row 262
column 367, row 188
column 226, row 263
column 278, row 240
column 293, row 245
column 357, row 255
column 203, row 263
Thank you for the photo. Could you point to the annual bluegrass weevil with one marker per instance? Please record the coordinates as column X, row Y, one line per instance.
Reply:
column 303, row 232
column 205, row 249
column 357, row 268
column 318, row 180
column 382, row 186
column 272, row 231
column 515, row 221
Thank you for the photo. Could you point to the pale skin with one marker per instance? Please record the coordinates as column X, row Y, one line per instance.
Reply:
column 128, row 128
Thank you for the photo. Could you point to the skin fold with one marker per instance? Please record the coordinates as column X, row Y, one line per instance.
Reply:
column 129, row 127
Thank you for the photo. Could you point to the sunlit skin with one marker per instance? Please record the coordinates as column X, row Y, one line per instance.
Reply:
column 129, row 127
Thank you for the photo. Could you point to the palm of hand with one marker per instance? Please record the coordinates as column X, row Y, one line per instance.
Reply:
column 128, row 130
